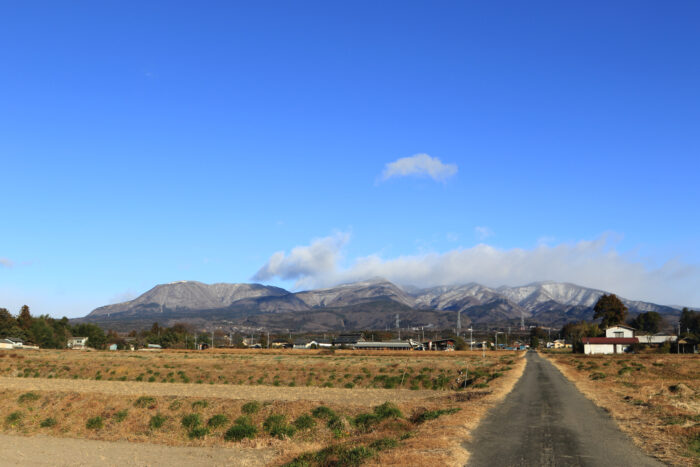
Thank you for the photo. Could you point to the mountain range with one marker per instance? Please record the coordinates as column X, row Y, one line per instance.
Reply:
column 371, row 304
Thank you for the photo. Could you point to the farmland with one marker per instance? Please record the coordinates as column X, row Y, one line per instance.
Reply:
column 304, row 407
column 655, row 398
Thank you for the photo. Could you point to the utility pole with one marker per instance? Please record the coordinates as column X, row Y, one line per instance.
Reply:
column 422, row 335
column 459, row 322
column 212, row 338
column 398, row 328
column 471, row 338
column 195, row 340
column 268, row 339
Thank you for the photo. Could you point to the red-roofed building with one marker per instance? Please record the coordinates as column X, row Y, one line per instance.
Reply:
column 608, row 345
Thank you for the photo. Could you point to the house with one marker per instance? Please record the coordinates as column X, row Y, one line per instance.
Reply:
column 619, row 331
column 387, row 345
column 305, row 344
column 348, row 340
column 657, row 339
column 608, row 345
column 6, row 344
column 440, row 344
column 281, row 344
column 77, row 343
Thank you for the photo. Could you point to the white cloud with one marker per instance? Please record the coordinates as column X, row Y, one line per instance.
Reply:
column 482, row 233
column 594, row 263
column 5, row 262
column 305, row 263
column 420, row 164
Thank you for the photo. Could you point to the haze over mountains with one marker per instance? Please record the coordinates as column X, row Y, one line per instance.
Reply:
column 370, row 304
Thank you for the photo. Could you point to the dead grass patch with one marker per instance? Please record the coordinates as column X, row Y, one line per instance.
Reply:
column 653, row 398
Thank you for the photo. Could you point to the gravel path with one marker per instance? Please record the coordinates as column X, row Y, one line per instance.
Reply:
column 223, row 391
column 546, row 421
column 60, row 452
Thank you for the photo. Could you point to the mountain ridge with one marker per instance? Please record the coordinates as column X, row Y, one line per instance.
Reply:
column 371, row 302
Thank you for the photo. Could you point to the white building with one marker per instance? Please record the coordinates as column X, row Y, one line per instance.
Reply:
column 619, row 331
column 77, row 343
column 618, row 339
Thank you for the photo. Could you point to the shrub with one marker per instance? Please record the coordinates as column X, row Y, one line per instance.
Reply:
column 276, row 425
column 387, row 410
column 28, row 397
column 95, row 423
column 120, row 416
column 14, row 418
column 242, row 428
column 323, row 412
column 157, row 421
column 217, row 421
column 249, row 408
column 200, row 404
column 365, row 421
column 145, row 402
column 383, row 443
column 198, row 432
column 304, row 422
column 597, row 375
column 433, row 414
column 191, row 420
column 48, row 422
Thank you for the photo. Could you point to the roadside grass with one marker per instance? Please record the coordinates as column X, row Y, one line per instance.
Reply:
column 654, row 397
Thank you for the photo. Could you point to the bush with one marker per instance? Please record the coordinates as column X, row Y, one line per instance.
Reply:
column 250, row 408
column 323, row 412
column 120, row 416
column 48, row 422
column 28, row 397
column 242, row 428
column 433, row 414
column 276, row 425
column 365, row 421
column 191, row 421
column 198, row 432
column 157, row 421
column 217, row 421
column 597, row 375
column 383, row 443
column 95, row 423
column 145, row 402
column 387, row 410
column 304, row 422
column 14, row 418
column 200, row 404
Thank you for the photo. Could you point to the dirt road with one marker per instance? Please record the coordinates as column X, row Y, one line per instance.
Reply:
column 60, row 452
column 546, row 421
column 223, row 391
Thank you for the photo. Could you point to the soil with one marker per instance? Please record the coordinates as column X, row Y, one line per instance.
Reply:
column 47, row 451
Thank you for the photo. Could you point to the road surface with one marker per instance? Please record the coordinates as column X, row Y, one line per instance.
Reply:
column 546, row 421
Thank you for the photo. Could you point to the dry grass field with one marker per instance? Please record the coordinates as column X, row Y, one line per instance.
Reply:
column 306, row 407
column 655, row 398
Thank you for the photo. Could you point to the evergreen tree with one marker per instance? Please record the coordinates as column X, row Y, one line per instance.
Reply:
column 610, row 310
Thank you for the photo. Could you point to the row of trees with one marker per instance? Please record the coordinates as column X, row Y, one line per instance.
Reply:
column 43, row 330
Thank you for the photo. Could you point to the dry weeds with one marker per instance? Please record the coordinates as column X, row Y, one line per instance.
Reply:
column 654, row 398
column 71, row 402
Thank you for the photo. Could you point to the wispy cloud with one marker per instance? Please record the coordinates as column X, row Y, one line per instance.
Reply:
column 482, row 232
column 6, row 263
column 419, row 165
column 591, row 263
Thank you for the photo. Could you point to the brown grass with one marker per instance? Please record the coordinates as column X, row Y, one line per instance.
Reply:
column 654, row 398
column 51, row 375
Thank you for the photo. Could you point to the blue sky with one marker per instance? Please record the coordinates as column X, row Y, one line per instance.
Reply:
column 148, row 142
